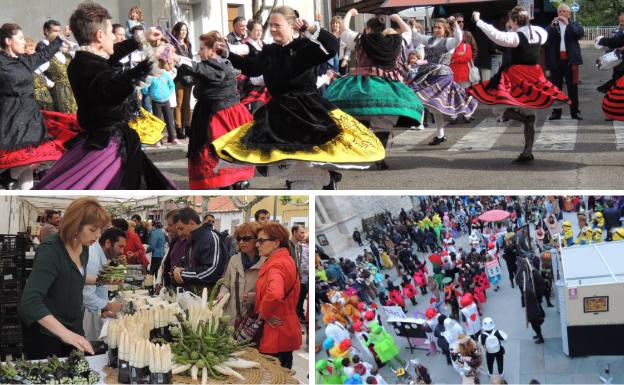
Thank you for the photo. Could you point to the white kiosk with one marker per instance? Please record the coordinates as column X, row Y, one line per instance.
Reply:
column 589, row 284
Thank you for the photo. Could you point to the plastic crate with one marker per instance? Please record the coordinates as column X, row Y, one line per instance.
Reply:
column 8, row 314
column 9, row 243
column 15, row 350
column 11, row 334
column 11, row 290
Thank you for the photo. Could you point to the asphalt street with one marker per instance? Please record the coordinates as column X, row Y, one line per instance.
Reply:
column 570, row 154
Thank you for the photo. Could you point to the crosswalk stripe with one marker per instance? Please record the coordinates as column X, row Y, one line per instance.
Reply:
column 618, row 127
column 482, row 137
column 412, row 137
column 557, row 135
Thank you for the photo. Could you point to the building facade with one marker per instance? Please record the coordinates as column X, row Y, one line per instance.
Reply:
column 201, row 15
column 338, row 216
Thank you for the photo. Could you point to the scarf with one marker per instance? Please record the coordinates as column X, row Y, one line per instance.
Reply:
column 381, row 49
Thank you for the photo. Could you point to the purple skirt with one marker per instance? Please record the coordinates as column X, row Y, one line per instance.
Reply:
column 84, row 169
column 441, row 93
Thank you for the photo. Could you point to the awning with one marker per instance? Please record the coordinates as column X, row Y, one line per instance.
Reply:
column 365, row 6
column 423, row 3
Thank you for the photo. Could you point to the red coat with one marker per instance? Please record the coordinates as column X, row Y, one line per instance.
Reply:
column 460, row 64
column 277, row 276
column 134, row 244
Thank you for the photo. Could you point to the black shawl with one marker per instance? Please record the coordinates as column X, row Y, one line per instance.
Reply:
column 382, row 49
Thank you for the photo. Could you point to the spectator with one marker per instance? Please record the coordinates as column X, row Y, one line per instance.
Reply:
column 239, row 32
column 52, row 221
column 205, row 264
column 111, row 245
column 120, row 33
column 209, row 219
column 139, row 228
column 611, row 217
column 241, row 273
column 156, row 247
column 135, row 19
column 183, row 83
column 563, row 56
column 178, row 247
column 277, row 293
column 263, row 216
column 135, row 252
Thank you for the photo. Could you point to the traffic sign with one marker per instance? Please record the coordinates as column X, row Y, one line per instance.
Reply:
column 575, row 7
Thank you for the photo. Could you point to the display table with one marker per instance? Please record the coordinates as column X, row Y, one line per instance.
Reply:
column 270, row 371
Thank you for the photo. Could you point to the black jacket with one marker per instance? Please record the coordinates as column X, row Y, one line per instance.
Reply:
column 205, row 262
column 573, row 33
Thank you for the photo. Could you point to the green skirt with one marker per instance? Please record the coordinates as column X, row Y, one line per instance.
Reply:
column 373, row 96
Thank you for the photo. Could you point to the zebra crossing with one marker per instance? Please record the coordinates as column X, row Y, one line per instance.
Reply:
column 551, row 136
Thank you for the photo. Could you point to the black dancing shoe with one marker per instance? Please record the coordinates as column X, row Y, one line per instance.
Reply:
column 382, row 165
column 539, row 341
column 522, row 158
column 555, row 116
column 436, row 141
column 8, row 183
column 577, row 116
column 242, row 185
column 334, row 177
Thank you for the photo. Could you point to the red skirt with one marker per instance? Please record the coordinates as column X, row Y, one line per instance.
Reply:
column 256, row 94
column 208, row 171
column 613, row 101
column 520, row 86
column 62, row 127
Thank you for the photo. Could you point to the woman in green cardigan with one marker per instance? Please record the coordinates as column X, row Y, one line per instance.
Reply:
column 51, row 305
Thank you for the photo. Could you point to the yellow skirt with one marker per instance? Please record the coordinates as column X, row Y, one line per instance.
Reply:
column 148, row 126
column 355, row 144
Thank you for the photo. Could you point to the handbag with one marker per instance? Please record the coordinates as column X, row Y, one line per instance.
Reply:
column 249, row 327
column 473, row 73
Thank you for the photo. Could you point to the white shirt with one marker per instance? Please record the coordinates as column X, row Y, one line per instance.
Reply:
column 562, row 29
column 451, row 42
column 511, row 39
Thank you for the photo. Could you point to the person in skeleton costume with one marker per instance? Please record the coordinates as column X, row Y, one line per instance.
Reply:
column 491, row 339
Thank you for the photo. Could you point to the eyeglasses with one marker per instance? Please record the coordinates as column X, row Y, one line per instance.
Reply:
column 460, row 22
column 244, row 239
column 262, row 240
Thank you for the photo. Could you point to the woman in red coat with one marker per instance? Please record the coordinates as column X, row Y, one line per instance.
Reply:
column 277, row 292
column 135, row 251
column 460, row 64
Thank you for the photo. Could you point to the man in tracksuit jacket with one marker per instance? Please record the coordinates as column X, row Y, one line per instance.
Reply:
column 205, row 261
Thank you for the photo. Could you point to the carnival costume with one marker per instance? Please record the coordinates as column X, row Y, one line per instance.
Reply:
column 297, row 124
column 613, row 101
column 109, row 154
column 520, row 83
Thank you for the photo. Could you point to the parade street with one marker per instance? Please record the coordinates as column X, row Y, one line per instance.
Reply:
column 570, row 154
column 524, row 360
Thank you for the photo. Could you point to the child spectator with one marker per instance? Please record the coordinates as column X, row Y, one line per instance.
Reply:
column 160, row 88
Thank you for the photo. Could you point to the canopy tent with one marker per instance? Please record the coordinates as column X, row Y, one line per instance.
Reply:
column 424, row 3
column 599, row 263
column 494, row 216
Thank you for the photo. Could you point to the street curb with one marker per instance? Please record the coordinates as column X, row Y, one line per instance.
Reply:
column 165, row 149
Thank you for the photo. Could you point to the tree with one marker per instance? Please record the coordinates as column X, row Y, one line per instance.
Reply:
column 598, row 12
column 258, row 6
column 245, row 206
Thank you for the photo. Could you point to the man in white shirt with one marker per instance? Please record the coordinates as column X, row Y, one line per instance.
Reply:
column 111, row 244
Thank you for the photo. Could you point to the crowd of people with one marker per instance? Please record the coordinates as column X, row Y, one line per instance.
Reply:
column 264, row 268
column 88, row 94
column 454, row 281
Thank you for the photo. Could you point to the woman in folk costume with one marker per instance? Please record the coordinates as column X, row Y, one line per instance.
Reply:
column 434, row 84
column 613, row 101
column 25, row 139
column 217, row 112
column 297, row 124
column 375, row 90
column 520, row 83
column 108, row 155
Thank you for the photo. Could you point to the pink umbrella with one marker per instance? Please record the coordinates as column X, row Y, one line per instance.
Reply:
column 493, row 216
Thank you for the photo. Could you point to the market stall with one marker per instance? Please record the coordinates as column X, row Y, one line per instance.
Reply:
column 590, row 296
